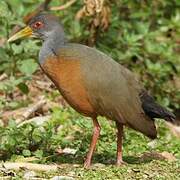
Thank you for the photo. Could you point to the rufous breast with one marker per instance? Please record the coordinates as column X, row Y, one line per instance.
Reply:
column 67, row 77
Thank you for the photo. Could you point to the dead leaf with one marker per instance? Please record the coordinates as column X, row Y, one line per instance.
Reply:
column 168, row 156
column 158, row 156
column 174, row 129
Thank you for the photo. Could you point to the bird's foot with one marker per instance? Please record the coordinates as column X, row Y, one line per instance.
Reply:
column 87, row 164
column 120, row 163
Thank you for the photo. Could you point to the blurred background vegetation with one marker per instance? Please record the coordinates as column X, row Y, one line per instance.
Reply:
column 142, row 35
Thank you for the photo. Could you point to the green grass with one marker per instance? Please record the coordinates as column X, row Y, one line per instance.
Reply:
column 68, row 129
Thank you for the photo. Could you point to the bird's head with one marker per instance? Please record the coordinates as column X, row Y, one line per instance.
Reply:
column 40, row 26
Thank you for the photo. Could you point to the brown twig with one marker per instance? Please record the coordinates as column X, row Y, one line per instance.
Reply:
column 37, row 120
column 64, row 6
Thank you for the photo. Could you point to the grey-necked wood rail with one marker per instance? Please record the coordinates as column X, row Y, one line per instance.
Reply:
column 93, row 83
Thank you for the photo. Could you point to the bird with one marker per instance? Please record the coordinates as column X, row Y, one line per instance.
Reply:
column 93, row 83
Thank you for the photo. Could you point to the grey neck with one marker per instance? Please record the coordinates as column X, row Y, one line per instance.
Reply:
column 52, row 42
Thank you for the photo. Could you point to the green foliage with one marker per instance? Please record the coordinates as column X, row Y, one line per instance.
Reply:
column 41, row 141
column 146, row 42
column 68, row 129
column 15, row 58
column 142, row 36
column 28, row 67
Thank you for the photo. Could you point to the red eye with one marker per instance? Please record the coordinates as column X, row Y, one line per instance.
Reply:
column 37, row 25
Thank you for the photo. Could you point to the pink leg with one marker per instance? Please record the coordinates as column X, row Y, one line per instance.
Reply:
column 96, row 132
column 119, row 144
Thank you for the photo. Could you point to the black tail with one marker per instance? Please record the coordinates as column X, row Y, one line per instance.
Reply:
column 154, row 110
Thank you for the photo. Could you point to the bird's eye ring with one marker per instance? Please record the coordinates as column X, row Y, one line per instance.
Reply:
column 37, row 25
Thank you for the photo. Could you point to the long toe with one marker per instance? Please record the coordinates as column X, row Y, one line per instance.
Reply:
column 120, row 163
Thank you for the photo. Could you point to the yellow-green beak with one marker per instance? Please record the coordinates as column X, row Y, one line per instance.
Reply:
column 27, row 31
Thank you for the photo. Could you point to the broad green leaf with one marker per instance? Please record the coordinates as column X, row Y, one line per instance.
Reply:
column 24, row 88
column 28, row 67
column 38, row 153
column 26, row 152
column 17, row 49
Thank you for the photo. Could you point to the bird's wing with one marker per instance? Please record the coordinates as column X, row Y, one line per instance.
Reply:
column 113, row 89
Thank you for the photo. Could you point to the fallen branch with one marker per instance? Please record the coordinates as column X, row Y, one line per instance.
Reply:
column 29, row 166
column 30, row 110
column 24, row 113
column 38, row 120
column 64, row 6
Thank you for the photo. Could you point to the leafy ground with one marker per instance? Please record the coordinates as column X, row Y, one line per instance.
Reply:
column 143, row 36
